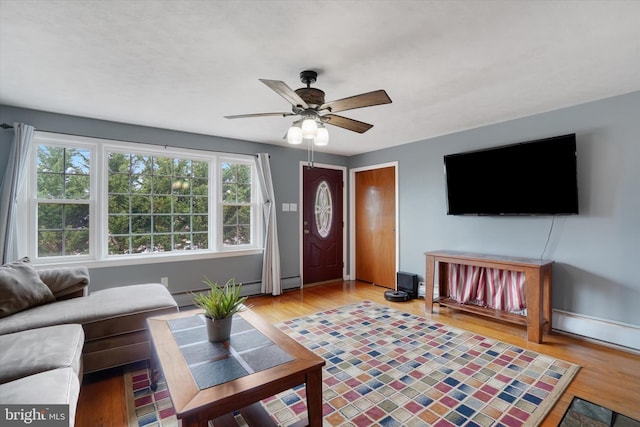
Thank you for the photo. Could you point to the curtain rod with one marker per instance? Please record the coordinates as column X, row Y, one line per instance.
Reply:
column 7, row 126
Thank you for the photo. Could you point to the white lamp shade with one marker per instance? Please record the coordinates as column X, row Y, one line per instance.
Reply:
column 294, row 135
column 309, row 128
column 322, row 138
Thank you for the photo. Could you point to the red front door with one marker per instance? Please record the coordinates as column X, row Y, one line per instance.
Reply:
column 322, row 225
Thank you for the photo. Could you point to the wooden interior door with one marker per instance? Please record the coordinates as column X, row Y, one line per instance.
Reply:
column 375, row 226
column 322, row 225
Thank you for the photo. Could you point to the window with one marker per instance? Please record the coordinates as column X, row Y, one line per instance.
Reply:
column 63, row 200
column 236, row 203
column 323, row 209
column 156, row 204
column 104, row 200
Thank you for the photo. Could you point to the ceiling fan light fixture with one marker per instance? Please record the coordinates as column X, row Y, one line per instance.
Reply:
column 322, row 137
column 294, row 135
column 309, row 128
column 309, row 104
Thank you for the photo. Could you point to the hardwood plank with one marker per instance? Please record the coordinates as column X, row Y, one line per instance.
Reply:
column 608, row 377
column 102, row 400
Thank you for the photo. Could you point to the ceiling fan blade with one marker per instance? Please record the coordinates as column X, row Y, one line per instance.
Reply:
column 346, row 123
column 286, row 92
column 244, row 116
column 368, row 99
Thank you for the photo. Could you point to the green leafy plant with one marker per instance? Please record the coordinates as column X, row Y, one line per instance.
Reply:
column 220, row 302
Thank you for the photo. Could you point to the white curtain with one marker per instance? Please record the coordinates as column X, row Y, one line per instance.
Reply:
column 271, row 258
column 14, row 176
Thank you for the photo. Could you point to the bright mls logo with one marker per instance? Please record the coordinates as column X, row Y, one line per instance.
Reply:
column 34, row 415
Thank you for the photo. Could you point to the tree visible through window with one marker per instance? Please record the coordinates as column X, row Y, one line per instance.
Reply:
column 157, row 204
column 63, row 198
column 94, row 199
column 236, row 204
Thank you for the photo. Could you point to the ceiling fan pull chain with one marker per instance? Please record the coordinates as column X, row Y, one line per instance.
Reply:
column 310, row 152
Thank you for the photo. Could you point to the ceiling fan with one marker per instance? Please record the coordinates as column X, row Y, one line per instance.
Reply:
column 309, row 104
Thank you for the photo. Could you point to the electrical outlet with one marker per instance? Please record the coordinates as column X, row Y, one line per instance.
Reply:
column 165, row 282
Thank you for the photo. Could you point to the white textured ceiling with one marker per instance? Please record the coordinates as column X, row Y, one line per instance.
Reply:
column 447, row 65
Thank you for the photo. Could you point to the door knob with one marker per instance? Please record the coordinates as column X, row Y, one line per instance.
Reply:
column 306, row 231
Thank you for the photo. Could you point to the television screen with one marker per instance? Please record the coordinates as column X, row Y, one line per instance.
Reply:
column 528, row 178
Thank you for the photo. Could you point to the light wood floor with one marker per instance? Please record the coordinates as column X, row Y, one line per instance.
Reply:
column 608, row 377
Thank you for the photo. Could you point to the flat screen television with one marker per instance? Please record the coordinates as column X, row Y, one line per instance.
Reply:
column 529, row 178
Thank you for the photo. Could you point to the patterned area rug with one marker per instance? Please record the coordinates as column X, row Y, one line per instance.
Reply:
column 390, row 368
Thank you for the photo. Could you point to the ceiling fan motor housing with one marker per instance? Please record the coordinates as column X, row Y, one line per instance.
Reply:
column 312, row 96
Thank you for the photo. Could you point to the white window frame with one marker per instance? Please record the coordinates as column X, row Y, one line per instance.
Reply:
column 98, row 207
column 255, row 190
column 33, row 201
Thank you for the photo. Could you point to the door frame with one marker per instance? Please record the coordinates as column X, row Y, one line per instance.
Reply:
column 352, row 214
column 304, row 164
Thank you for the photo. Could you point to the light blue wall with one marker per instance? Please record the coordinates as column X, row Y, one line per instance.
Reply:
column 596, row 253
column 184, row 276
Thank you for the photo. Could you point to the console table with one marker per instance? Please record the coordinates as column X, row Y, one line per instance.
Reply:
column 537, row 283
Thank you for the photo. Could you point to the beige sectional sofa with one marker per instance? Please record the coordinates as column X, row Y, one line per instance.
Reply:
column 42, row 367
column 52, row 330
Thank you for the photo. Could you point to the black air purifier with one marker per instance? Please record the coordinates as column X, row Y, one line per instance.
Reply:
column 408, row 282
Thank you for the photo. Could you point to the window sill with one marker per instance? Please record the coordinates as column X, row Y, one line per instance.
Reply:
column 144, row 259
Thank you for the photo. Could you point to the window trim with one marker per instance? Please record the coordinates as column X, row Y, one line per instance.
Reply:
column 255, row 190
column 98, row 207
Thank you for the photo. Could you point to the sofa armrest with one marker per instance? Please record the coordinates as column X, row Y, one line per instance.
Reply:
column 66, row 282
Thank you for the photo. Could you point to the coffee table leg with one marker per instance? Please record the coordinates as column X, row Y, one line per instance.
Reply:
column 192, row 422
column 154, row 370
column 314, row 398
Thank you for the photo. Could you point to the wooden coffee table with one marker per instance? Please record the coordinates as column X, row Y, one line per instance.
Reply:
column 192, row 368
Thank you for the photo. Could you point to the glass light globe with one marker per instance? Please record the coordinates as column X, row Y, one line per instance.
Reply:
column 309, row 128
column 322, row 138
column 294, row 135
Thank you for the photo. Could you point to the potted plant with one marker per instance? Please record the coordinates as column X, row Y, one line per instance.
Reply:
column 220, row 303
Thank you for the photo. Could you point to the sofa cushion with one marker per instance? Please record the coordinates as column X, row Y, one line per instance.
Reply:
column 112, row 303
column 38, row 350
column 56, row 387
column 21, row 288
column 66, row 280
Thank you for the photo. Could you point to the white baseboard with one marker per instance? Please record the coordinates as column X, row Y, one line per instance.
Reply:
column 607, row 331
